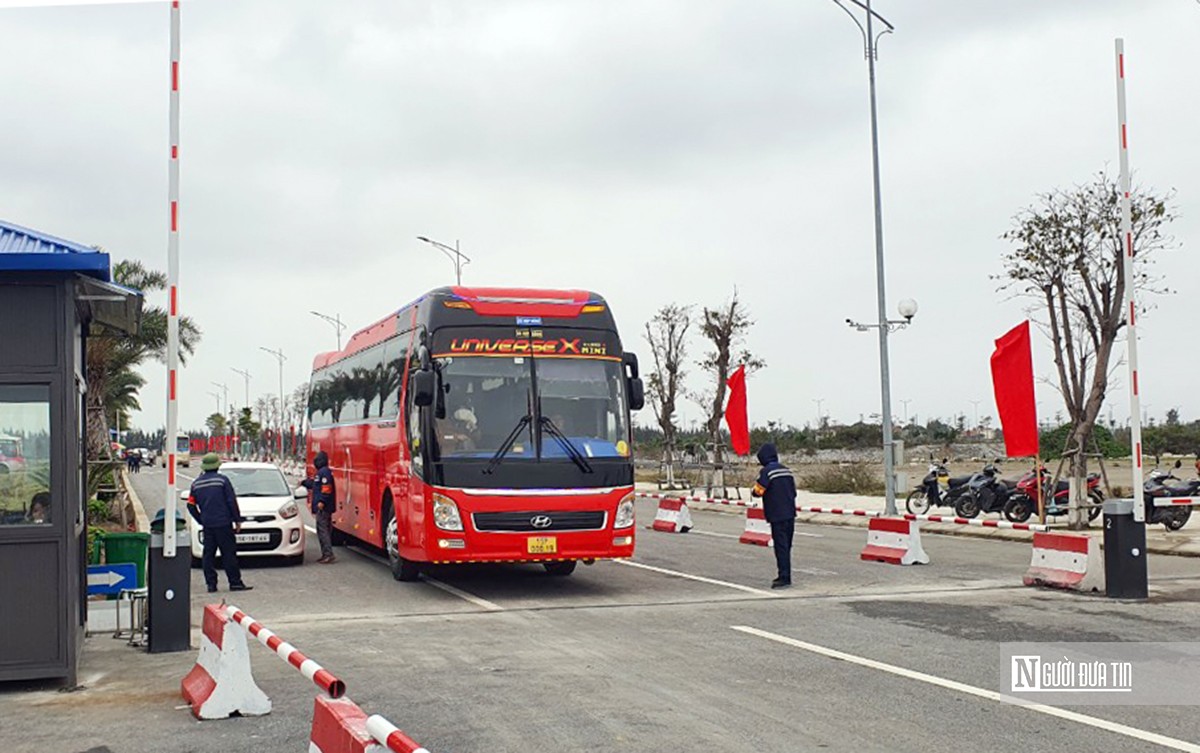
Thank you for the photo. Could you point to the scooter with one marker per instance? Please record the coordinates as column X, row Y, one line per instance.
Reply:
column 1165, row 484
column 1022, row 503
column 986, row 492
column 937, row 489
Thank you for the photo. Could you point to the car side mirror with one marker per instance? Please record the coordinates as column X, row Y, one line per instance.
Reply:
column 637, row 394
column 300, row 493
column 630, row 361
column 424, row 385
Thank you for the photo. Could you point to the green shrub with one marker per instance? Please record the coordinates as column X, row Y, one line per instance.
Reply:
column 98, row 510
column 852, row 478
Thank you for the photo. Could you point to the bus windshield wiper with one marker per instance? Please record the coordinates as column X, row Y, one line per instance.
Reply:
column 508, row 443
column 568, row 447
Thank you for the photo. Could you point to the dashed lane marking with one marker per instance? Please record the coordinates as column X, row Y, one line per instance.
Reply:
column 476, row 600
column 1073, row 716
column 700, row 578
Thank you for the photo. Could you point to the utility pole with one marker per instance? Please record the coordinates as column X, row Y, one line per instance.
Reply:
column 279, row 356
column 976, row 404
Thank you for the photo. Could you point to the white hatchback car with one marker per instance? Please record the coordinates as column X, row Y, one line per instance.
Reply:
column 271, row 520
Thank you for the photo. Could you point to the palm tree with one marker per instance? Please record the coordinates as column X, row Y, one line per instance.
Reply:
column 112, row 359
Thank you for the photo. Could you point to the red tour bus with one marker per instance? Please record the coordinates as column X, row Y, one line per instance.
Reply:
column 482, row 425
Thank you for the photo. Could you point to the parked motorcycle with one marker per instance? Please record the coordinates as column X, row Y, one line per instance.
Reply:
column 986, row 492
column 1022, row 503
column 937, row 489
column 1165, row 484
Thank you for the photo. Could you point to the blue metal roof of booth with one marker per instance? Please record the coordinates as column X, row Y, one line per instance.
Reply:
column 25, row 250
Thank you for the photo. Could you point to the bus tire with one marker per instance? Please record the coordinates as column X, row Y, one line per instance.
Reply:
column 402, row 569
column 560, row 569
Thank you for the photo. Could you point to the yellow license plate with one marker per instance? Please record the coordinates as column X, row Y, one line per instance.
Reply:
column 542, row 545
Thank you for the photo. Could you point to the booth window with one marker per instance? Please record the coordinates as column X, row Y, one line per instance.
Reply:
column 25, row 454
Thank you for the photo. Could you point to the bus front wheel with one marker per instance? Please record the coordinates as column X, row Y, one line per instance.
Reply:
column 560, row 568
column 402, row 569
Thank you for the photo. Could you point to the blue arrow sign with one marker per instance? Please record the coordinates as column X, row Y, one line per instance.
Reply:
column 110, row 579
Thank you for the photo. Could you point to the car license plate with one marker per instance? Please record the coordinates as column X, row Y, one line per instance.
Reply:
column 253, row 538
column 542, row 544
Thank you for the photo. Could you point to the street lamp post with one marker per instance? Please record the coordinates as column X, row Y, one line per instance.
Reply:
column 456, row 256
column 279, row 356
column 905, row 403
column 908, row 309
column 819, row 401
column 246, row 376
column 870, row 40
column 336, row 321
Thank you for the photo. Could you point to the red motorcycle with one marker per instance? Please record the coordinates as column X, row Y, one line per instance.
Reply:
column 1022, row 504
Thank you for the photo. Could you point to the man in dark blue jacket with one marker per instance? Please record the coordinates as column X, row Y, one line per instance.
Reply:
column 777, row 487
column 213, row 503
column 324, row 500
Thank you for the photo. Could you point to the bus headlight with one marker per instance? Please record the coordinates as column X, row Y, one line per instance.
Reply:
column 624, row 517
column 445, row 514
column 289, row 510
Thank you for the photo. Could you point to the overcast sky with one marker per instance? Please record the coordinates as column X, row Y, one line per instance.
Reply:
column 654, row 151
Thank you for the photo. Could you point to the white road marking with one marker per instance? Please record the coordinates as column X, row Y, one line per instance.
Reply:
column 700, row 578
column 1073, row 716
column 476, row 600
column 472, row 598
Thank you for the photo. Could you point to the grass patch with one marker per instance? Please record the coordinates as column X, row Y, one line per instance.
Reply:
column 851, row 478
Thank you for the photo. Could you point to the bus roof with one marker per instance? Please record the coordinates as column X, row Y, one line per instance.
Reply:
column 468, row 305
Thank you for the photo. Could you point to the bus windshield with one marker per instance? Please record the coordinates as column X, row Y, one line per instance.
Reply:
column 489, row 399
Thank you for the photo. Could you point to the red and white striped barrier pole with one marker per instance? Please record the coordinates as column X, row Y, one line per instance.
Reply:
column 172, row 498
column 386, row 733
column 1176, row 501
column 320, row 676
column 734, row 502
column 1135, row 397
column 842, row 511
column 1004, row 524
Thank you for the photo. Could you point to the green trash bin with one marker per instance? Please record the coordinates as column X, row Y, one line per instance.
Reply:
column 128, row 547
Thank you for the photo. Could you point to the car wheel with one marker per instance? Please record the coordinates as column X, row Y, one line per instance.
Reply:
column 560, row 569
column 402, row 569
column 917, row 502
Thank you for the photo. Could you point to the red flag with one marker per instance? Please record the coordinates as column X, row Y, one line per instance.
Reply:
column 735, row 412
column 1012, row 380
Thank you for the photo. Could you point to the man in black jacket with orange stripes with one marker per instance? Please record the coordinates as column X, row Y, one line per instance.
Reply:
column 777, row 487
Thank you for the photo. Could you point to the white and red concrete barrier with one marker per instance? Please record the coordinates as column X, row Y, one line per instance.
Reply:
column 1066, row 560
column 894, row 540
column 221, row 683
column 758, row 530
column 673, row 516
column 340, row 726
column 320, row 676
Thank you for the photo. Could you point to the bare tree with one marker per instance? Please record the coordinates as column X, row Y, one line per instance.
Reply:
column 667, row 334
column 725, row 328
column 1068, row 259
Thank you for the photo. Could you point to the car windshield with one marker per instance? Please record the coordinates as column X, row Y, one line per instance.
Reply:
column 257, row 482
column 486, row 398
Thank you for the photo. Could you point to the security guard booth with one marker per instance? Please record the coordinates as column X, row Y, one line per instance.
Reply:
column 53, row 293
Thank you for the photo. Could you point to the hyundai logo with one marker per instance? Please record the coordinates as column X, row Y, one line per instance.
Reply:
column 541, row 521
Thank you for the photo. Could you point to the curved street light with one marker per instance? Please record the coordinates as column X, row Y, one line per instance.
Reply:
column 458, row 257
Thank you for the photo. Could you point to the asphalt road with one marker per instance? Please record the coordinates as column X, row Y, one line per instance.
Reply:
column 683, row 648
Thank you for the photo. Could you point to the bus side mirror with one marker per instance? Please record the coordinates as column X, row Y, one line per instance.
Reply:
column 630, row 360
column 637, row 394
column 423, row 386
